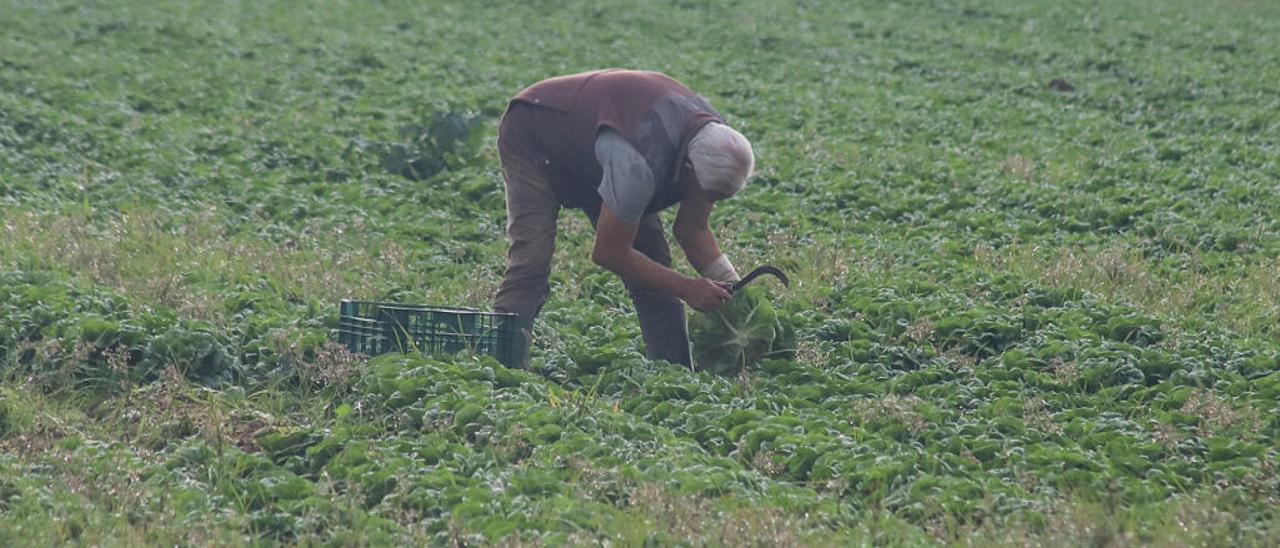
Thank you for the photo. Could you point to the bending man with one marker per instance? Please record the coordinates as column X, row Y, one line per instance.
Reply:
column 622, row 146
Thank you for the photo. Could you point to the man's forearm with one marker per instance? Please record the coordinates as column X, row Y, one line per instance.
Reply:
column 637, row 269
column 700, row 247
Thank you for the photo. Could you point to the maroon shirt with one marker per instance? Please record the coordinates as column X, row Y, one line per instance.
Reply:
column 655, row 114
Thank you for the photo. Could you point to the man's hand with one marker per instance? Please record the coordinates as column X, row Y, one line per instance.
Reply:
column 704, row 295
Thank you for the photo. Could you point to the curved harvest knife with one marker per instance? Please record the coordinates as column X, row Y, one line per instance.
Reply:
column 766, row 269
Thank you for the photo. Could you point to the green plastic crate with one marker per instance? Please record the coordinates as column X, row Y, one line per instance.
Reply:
column 372, row 328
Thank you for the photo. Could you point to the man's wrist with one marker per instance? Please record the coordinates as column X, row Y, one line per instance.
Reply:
column 720, row 270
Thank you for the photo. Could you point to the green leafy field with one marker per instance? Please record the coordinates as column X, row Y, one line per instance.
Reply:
column 1026, row 313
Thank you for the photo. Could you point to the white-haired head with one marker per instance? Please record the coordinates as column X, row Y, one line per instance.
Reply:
column 722, row 159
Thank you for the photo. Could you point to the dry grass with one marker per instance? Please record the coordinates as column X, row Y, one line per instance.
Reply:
column 1019, row 167
column 1185, row 521
column 900, row 409
column 686, row 519
column 1217, row 414
column 1066, row 371
column 330, row 365
column 1037, row 416
column 765, row 463
column 189, row 267
column 920, row 330
column 1247, row 301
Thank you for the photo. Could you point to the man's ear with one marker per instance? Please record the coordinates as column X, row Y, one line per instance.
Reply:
column 687, row 173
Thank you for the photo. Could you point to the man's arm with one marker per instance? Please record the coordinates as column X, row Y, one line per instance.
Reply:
column 693, row 233
column 613, row 250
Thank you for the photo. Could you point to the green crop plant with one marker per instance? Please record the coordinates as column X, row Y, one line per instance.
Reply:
column 1032, row 248
column 741, row 333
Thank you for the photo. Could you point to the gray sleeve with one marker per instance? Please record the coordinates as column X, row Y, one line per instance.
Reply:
column 627, row 185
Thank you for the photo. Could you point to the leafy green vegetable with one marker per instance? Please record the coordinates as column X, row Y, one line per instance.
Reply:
column 1026, row 312
column 739, row 334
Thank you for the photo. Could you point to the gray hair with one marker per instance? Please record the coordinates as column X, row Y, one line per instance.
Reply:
column 722, row 158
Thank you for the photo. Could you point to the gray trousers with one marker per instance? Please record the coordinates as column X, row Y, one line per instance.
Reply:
column 532, row 210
